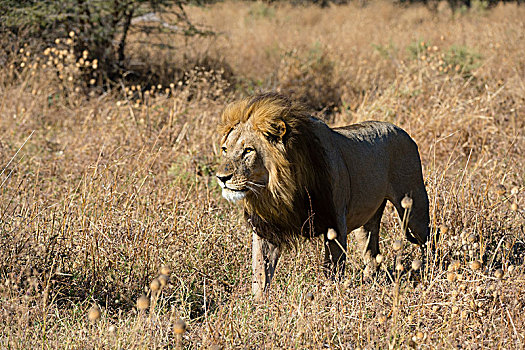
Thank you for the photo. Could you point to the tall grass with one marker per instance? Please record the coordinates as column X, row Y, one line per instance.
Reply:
column 111, row 187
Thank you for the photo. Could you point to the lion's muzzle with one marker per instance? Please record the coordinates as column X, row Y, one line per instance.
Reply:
column 231, row 194
column 223, row 178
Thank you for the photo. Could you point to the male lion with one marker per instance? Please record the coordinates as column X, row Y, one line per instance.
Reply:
column 297, row 177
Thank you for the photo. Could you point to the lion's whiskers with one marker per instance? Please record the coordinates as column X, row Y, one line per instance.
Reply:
column 253, row 189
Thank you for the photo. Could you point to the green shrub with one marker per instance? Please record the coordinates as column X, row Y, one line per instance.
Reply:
column 417, row 48
column 456, row 60
column 463, row 59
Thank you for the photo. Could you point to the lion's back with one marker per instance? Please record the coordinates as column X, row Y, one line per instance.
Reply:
column 383, row 141
column 374, row 132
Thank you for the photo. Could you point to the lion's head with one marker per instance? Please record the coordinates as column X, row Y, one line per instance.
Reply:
column 272, row 160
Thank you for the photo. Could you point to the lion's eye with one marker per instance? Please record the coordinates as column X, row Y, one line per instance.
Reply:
column 224, row 149
column 248, row 150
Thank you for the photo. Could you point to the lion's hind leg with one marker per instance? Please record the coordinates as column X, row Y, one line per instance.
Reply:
column 367, row 238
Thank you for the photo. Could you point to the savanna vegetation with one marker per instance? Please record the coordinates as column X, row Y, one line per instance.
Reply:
column 113, row 233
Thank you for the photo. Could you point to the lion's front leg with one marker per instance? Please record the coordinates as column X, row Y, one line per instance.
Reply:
column 335, row 253
column 265, row 256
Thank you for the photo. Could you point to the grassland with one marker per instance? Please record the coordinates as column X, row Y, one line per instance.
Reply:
column 99, row 191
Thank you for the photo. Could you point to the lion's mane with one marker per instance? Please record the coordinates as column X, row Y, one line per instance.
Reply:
column 298, row 199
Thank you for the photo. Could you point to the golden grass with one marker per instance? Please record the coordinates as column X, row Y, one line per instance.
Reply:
column 111, row 187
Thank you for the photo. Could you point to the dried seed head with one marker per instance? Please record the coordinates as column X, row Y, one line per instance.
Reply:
column 331, row 234
column 165, row 270
column 94, row 314
column 407, row 202
column 400, row 267
column 179, row 327
column 379, row 258
column 416, row 264
column 443, row 229
column 142, row 302
column 112, row 329
column 454, row 265
column 163, row 279
column 397, row 245
column 515, row 190
column 310, row 296
column 451, row 276
column 347, row 283
column 154, row 285
column 455, row 309
column 498, row 273
column 420, row 335
column 472, row 238
column 481, row 312
column 475, row 265
column 514, row 206
column 500, row 189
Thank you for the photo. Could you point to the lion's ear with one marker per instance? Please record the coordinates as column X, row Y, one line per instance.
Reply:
column 277, row 131
column 281, row 128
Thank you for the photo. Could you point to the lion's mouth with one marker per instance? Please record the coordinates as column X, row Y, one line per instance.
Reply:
column 236, row 189
column 234, row 195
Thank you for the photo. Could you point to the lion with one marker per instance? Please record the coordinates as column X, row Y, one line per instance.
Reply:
column 297, row 177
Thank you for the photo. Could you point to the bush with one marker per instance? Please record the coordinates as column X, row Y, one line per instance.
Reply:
column 456, row 60
column 311, row 79
column 101, row 28
column 463, row 59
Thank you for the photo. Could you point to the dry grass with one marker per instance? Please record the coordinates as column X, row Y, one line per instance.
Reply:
column 109, row 188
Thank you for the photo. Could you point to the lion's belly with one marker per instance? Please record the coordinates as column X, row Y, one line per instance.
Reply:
column 356, row 220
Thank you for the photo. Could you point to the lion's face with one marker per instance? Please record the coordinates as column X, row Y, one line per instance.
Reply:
column 242, row 171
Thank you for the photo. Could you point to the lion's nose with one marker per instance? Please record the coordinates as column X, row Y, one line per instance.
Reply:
column 224, row 178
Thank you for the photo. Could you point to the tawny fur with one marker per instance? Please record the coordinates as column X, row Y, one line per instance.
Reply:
column 310, row 178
